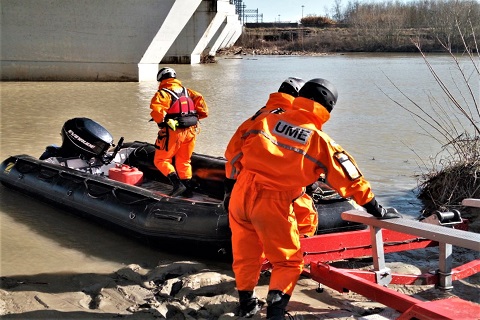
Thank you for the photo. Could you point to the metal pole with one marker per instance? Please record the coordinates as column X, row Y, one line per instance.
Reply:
column 445, row 266
column 383, row 274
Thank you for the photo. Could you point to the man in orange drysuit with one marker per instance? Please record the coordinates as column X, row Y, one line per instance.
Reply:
column 281, row 100
column 304, row 208
column 176, row 110
column 282, row 153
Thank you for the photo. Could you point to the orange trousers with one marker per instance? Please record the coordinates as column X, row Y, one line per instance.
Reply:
column 307, row 216
column 181, row 144
column 264, row 225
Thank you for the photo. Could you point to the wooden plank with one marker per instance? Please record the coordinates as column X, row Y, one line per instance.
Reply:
column 471, row 202
column 437, row 233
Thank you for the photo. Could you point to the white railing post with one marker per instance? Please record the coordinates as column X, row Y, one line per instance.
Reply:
column 383, row 274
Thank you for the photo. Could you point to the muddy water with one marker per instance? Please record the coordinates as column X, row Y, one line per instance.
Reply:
column 388, row 144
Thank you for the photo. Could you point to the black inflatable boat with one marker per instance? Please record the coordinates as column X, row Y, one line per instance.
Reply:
column 120, row 185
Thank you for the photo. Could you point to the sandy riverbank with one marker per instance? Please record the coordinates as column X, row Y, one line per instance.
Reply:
column 194, row 290
column 188, row 289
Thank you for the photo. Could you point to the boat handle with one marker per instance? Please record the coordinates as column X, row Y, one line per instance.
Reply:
column 26, row 168
column 72, row 178
column 97, row 195
column 43, row 174
column 168, row 217
column 114, row 192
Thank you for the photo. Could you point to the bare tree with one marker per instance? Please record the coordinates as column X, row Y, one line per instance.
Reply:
column 454, row 122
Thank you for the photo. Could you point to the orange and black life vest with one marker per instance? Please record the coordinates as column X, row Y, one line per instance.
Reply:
column 182, row 109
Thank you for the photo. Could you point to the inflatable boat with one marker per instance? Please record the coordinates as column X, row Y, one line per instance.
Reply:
column 119, row 184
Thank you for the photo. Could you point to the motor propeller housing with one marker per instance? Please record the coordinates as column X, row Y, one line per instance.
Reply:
column 85, row 138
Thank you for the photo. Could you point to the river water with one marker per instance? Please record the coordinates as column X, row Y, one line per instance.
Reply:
column 388, row 144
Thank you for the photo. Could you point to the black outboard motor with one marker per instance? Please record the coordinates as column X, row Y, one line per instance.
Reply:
column 84, row 138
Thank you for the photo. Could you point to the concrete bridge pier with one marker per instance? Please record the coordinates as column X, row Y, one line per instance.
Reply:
column 192, row 29
column 109, row 40
column 229, row 34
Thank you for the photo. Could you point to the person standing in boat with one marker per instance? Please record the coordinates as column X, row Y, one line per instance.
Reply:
column 281, row 153
column 176, row 109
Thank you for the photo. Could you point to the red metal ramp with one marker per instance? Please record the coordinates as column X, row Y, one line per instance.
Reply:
column 453, row 308
column 373, row 285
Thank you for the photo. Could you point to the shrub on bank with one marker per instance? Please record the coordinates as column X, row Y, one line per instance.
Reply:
column 327, row 40
column 376, row 27
column 317, row 21
column 453, row 178
column 454, row 122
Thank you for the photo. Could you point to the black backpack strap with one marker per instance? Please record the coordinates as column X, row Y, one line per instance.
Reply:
column 185, row 92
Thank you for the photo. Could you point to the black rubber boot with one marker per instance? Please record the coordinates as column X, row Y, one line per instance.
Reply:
column 249, row 304
column 188, row 193
column 178, row 187
column 276, row 303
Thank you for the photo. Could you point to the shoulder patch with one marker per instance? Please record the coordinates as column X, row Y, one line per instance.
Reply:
column 295, row 133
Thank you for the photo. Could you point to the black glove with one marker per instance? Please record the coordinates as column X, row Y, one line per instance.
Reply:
column 379, row 212
column 226, row 201
column 228, row 187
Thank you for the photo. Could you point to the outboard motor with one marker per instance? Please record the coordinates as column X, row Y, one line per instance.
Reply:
column 84, row 138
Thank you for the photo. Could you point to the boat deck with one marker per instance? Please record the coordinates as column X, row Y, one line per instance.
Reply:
column 163, row 189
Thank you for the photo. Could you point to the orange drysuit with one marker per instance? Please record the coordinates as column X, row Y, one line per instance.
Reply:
column 304, row 208
column 281, row 154
column 178, row 143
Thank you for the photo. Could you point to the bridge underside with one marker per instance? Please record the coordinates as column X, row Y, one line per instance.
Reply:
column 110, row 40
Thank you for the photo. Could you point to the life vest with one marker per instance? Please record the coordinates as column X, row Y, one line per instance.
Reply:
column 182, row 109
